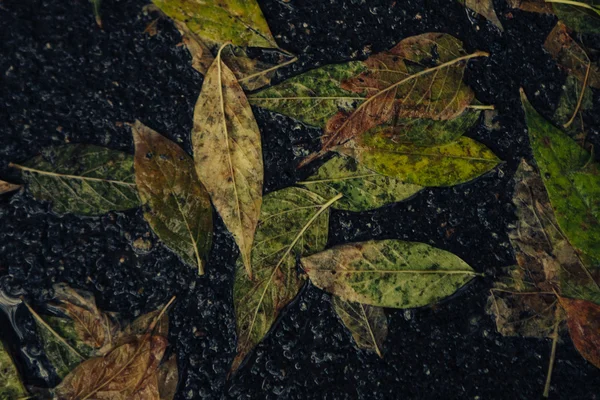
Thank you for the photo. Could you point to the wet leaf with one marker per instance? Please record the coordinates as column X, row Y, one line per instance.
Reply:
column 82, row 179
column 293, row 222
column 388, row 273
column 179, row 207
column 240, row 22
column 582, row 16
column 11, row 386
column 367, row 324
column 362, row 188
column 228, row 154
column 583, row 320
column 6, row 187
column 572, row 181
column 444, row 165
column 485, row 8
column 168, row 377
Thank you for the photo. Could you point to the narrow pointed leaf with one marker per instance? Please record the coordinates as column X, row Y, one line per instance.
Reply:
column 179, row 206
column 11, row 386
column 240, row 22
column 293, row 222
column 6, row 187
column 362, row 188
column 367, row 324
column 572, row 181
column 444, row 165
column 583, row 320
column 388, row 273
column 484, row 8
column 228, row 154
column 82, row 179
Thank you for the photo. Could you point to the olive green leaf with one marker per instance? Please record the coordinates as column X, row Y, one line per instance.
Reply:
column 362, row 188
column 96, row 9
column 484, row 8
column 538, row 6
column 572, row 180
column 582, row 16
column 314, row 96
column 388, row 273
column 368, row 324
column 571, row 104
column 228, row 154
column 179, row 207
column 293, row 222
column 82, row 179
column 7, row 187
column 445, row 165
column 240, row 22
column 11, row 386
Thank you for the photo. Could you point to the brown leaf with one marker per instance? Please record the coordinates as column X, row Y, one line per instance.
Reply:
column 202, row 58
column 484, row 8
column 583, row 320
column 538, row 6
column 6, row 187
column 168, row 377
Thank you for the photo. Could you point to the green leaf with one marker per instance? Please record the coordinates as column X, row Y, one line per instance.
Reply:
column 314, row 96
column 572, row 180
column 582, row 16
column 293, row 222
column 179, row 207
column 444, row 165
column 484, row 8
column 362, row 188
column 388, row 273
column 240, row 22
column 367, row 324
column 11, row 386
column 82, row 179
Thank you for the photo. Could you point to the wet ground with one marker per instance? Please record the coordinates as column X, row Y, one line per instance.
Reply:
column 62, row 79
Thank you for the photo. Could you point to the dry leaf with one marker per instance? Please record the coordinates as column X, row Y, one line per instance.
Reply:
column 539, row 6
column 228, row 154
column 168, row 378
column 6, row 187
column 583, row 320
column 484, row 8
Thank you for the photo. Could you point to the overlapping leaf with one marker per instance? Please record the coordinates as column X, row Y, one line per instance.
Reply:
column 484, row 8
column 11, row 386
column 581, row 15
column 583, row 320
column 388, row 273
column 82, row 179
column 444, row 165
column 293, row 222
column 362, row 188
column 368, row 324
column 179, row 208
column 228, row 154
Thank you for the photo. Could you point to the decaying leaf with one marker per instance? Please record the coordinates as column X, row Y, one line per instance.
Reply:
column 11, row 386
column 7, row 187
column 240, row 22
column 82, row 179
column 168, row 378
column 202, row 57
column 179, row 207
column 368, row 324
column 583, row 320
column 362, row 188
column 572, row 180
column 582, row 16
column 228, row 154
column 293, row 222
column 443, row 165
column 484, row 8
column 538, row 6
column 388, row 273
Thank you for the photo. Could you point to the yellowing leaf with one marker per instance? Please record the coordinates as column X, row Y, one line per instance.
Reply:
column 240, row 22
column 444, row 165
column 11, row 386
column 82, row 179
column 368, row 324
column 179, row 206
column 484, row 8
column 293, row 222
column 388, row 273
column 228, row 154
column 362, row 188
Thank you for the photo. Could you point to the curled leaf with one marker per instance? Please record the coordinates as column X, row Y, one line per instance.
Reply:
column 583, row 320
column 228, row 154
column 82, row 179
column 179, row 207
column 367, row 324
column 388, row 273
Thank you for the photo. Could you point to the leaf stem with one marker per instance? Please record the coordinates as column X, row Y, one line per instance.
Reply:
column 580, row 99
column 481, row 107
column 552, row 353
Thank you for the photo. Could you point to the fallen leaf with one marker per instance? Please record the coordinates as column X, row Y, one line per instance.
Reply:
column 484, row 8
column 240, row 22
column 179, row 207
column 11, row 386
column 82, row 179
column 362, row 188
column 572, row 180
column 388, row 273
column 538, row 6
column 582, row 16
column 367, row 324
column 571, row 104
column 168, row 378
column 202, row 57
column 6, row 187
column 583, row 320
column 228, row 154
column 96, row 9
column 293, row 222
column 445, row 165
